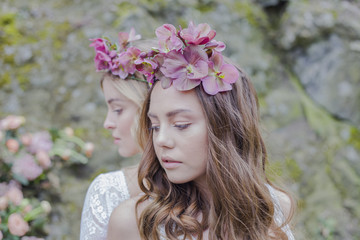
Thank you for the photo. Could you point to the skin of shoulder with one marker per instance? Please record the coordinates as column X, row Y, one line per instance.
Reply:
column 285, row 203
column 123, row 222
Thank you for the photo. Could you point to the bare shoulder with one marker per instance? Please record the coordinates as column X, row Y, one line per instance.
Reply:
column 285, row 202
column 123, row 223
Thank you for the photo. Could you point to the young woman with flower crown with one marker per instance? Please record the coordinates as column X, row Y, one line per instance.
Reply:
column 124, row 88
column 203, row 166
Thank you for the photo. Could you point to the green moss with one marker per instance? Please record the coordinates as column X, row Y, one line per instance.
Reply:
column 205, row 6
column 274, row 170
column 293, row 169
column 5, row 79
column 253, row 14
column 354, row 138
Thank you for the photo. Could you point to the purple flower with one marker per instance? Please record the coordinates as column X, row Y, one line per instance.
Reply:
column 168, row 39
column 220, row 75
column 216, row 45
column 100, row 45
column 124, row 63
column 186, row 69
column 102, row 61
column 147, row 67
column 40, row 141
column 198, row 35
column 27, row 167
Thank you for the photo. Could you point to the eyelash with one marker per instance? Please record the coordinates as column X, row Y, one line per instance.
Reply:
column 179, row 126
column 118, row 111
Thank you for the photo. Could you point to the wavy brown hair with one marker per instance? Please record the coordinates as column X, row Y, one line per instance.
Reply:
column 241, row 205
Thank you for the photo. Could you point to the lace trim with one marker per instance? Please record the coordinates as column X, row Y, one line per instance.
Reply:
column 105, row 193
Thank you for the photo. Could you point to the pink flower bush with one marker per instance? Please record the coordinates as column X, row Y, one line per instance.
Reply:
column 28, row 156
column 27, row 167
column 17, row 225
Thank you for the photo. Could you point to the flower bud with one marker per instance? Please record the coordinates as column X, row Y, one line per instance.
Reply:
column 66, row 155
column 15, row 195
column 12, row 145
column 89, row 148
column 43, row 159
column 4, row 202
column 46, row 206
column 26, row 139
column 69, row 131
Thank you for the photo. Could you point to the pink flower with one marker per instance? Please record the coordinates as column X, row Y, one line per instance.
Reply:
column 1, row 234
column 26, row 139
column 102, row 61
column 147, row 67
column 216, row 45
column 186, row 70
column 12, row 145
column 125, row 38
column 198, row 35
column 27, row 167
column 4, row 202
column 14, row 195
column 124, row 63
column 12, row 122
column 89, row 148
column 220, row 75
column 100, row 45
column 40, row 141
column 43, row 159
column 17, row 225
column 168, row 39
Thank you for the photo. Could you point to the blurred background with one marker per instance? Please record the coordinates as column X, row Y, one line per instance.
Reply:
column 302, row 56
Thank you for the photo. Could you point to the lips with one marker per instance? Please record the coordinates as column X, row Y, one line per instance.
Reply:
column 116, row 140
column 169, row 163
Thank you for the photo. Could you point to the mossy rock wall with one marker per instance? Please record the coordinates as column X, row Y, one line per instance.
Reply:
column 302, row 56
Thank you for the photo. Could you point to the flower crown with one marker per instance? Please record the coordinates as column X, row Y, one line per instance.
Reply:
column 184, row 58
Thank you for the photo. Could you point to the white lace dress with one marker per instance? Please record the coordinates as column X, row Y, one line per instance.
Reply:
column 104, row 194
column 108, row 190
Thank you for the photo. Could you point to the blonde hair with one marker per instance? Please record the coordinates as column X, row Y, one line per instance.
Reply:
column 132, row 89
column 242, row 206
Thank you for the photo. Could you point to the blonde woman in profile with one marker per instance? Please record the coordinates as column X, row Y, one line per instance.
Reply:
column 124, row 89
column 203, row 166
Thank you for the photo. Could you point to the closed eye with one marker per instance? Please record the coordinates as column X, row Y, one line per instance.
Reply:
column 118, row 111
column 154, row 128
column 182, row 126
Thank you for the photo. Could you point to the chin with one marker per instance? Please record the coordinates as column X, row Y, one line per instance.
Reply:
column 126, row 153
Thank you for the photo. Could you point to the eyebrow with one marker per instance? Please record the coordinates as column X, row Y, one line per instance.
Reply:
column 169, row 114
column 114, row 100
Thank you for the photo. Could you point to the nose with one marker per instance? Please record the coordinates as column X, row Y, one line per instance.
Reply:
column 109, row 122
column 163, row 138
